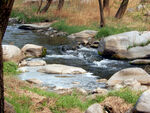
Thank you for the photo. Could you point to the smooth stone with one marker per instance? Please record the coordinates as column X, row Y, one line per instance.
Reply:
column 34, row 81
column 95, row 108
column 35, row 26
column 102, row 80
column 137, row 73
column 12, row 53
column 140, row 61
column 61, row 69
column 31, row 50
column 33, row 63
column 100, row 91
column 128, row 45
column 84, row 37
column 143, row 103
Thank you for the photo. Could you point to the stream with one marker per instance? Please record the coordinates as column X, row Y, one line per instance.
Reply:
column 86, row 58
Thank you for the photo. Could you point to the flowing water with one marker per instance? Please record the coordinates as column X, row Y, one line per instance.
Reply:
column 59, row 52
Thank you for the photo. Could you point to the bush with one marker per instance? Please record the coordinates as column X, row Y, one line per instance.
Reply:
column 10, row 68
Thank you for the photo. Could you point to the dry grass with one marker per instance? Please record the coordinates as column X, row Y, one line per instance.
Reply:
column 77, row 13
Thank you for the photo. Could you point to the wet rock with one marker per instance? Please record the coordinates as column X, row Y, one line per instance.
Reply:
column 143, row 103
column 34, row 81
column 137, row 73
column 115, row 105
column 12, row 53
column 61, row 69
column 31, row 50
column 35, row 26
column 8, row 108
column 95, row 108
column 102, row 81
column 23, row 69
column 75, row 82
column 84, row 37
column 32, row 63
column 14, row 20
column 140, row 61
column 128, row 45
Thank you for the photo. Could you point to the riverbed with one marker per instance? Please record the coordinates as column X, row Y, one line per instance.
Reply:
column 59, row 51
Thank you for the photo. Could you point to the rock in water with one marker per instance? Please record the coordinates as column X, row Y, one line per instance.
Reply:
column 129, row 73
column 35, row 26
column 61, row 69
column 95, row 108
column 12, row 53
column 83, row 36
column 31, row 50
column 128, row 45
column 143, row 103
column 140, row 61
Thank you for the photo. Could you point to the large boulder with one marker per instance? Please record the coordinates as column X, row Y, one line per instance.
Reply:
column 130, row 73
column 143, row 103
column 85, row 36
column 31, row 50
column 12, row 53
column 95, row 108
column 129, row 45
column 61, row 69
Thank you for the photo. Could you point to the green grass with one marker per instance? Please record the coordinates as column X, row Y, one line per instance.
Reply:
column 10, row 68
column 63, row 26
column 21, row 103
column 108, row 30
column 128, row 95
column 26, row 18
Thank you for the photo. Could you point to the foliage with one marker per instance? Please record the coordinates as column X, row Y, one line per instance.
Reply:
column 63, row 26
column 127, row 94
column 21, row 103
column 26, row 18
column 10, row 68
column 108, row 30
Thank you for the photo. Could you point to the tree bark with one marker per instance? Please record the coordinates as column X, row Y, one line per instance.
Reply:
column 5, row 10
column 44, row 10
column 102, row 21
column 60, row 5
column 122, row 9
column 106, row 7
column 40, row 5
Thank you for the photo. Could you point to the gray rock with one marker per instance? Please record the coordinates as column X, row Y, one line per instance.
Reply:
column 34, row 81
column 84, row 36
column 32, row 63
column 95, row 108
column 61, row 69
column 143, row 103
column 129, row 73
column 35, row 26
column 140, row 61
column 12, row 53
column 128, row 45
column 31, row 50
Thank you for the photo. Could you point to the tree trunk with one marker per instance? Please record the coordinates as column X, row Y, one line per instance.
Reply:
column 102, row 22
column 40, row 5
column 60, row 4
column 46, row 6
column 122, row 9
column 5, row 10
column 106, row 6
